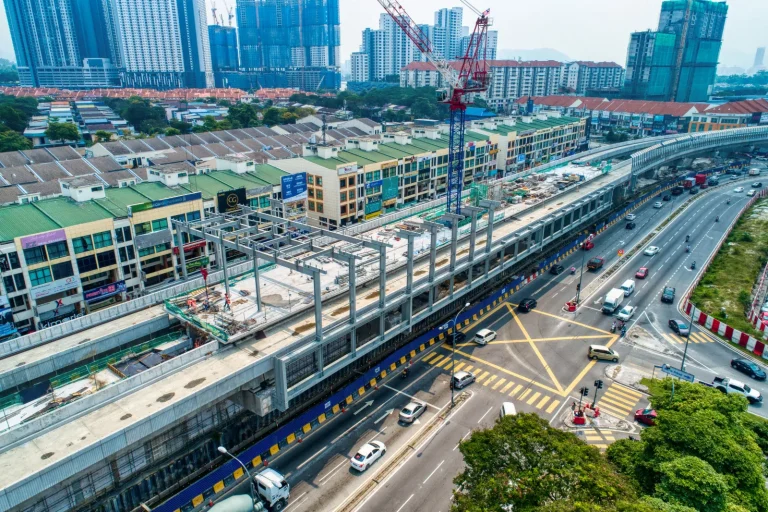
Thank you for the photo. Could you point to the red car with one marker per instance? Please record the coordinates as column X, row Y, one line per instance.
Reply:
column 642, row 273
column 646, row 416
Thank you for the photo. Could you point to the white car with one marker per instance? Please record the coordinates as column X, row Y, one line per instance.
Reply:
column 651, row 251
column 412, row 411
column 739, row 189
column 658, row 204
column 626, row 313
column 631, row 216
column 367, row 455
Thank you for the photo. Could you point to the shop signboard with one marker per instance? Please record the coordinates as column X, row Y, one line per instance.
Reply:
column 58, row 286
column 103, row 292
column 230, row 200
column 194, row 266
column 29, row 242
column 294, row 187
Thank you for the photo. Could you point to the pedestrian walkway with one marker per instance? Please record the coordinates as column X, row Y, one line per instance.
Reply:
column 521, row 391
column 619, row 401
column 595, row 437
column 696, row 337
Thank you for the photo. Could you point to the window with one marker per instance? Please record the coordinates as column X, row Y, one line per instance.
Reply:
column 86, row 264
column 319, row 181
column 159, row 224
column 319, row 207
column 343, row 209
column 180, row 218
column 310, row 179
column 342, row 183
column 102, row 239
column 127, row 253
column 351, row 181
column 18, row 302
column 8, row 282
column 123, row 234
column 57, row 250
column 343, row 196
column 62, row 270
column 106, row 258
column 312, row 205
column 319, row 194
column 311, row 192
column 144, row 227
column 35, row 255
column 351, row 194
column 14, row 259
column 82, row 244
column 20, row 283
column 146, row 252
column 193, row 216
column 40, row 276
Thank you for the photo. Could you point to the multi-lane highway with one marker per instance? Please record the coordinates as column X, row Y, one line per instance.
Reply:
column 538, row 361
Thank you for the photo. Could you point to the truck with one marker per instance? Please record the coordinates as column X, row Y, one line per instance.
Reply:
column 754, row 171
column 714, row 181
column 733, row 386
column 700, row 178
column 612, row 300
column 595, row 263
column 689, row 182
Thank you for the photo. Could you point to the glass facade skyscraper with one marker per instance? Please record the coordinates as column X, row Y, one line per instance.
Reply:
column 223, row 51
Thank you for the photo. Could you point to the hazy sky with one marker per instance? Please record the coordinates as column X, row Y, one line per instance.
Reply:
column 582, row 29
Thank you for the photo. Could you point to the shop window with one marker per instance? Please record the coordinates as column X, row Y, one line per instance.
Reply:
column 40, row 276
column 35, row 255
column 106, row 258
column 82, row 244
column 103, row 239
column 62, row 270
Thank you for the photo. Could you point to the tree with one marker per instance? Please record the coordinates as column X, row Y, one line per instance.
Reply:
column 13, row 141
column 243, row 115
column 271, row 116
column 8, row 72
column 182, row 126
column 12, row 118
column 692, row 482
column 102, row 136
column 522, row 464
column 172, row 131
column 57, row 131
column 423, row 109
column 141, row 114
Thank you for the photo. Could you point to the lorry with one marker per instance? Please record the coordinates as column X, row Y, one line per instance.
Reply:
column 271, row 492
column 612, row 300
column 689, row 182
column 595, row 263
column 732, row 386
column 754, row 171
column 700, row 178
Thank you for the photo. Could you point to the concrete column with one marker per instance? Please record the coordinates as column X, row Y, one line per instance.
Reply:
column 382, row 287
column 182, row 256
column 352, row 305
column 454, row 244
column 256, row 282
column 223, row 265
column 318, row 306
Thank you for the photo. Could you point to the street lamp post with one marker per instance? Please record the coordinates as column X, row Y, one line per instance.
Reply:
column 688, row 337
column 224, row 451
column 453, row 348
column 581, row 272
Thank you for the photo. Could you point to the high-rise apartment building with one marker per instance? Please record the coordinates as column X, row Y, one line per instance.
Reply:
column 297, row 39
column 582, row 77
column 491, row 43
column 224, row 58
column 759, row 57
column 64, row 43
column 360, row 67
column 388, row 49
column 678, row 62
column 450, row 21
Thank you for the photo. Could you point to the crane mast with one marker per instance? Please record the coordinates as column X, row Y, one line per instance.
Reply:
column 467, row 76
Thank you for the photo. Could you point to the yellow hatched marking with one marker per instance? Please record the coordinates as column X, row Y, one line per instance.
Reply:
column 482, row 376
column 458, row 366
column 507, row 386
column 499, row 383
column 516, row 390
column 618, row 406
column 533, row 398
column 431, row 356
column 443, row 362
column 552, row 406
column 448, row 366
column 594, row 438
column 625, row 391
column 619, row 399
column 525, row 393
column 613, row 410
column 468, row 367
column 609, row 438
column 490, row 379
column 543, row 402
column 438, row 358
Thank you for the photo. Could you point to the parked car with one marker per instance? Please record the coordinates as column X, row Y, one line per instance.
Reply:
column 642, row 273
column 631, row 225
column 658, row 204
column 413, row 410
column 368, row 454
column 748, row 367
column 626, row 313
column 527, row 304
column 507, row 409
column 668, row 294
column 679, row 327
column 556, row 270
column 651, row 250
column 646, row 416
column 631, row 216
column 462, row 379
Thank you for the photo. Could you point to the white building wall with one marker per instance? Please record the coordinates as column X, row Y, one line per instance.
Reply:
column 359, row 64
column 150, row 35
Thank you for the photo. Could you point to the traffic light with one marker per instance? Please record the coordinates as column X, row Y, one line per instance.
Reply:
column 599, row 384
column 584, row 391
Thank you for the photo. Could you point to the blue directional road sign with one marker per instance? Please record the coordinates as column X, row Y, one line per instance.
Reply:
column 680, row 374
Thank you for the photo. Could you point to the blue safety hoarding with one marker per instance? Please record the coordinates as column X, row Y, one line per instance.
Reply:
column 294, row 187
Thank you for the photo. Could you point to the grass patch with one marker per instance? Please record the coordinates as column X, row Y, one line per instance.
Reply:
column 729, row 280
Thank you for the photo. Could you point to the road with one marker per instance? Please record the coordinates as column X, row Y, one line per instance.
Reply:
column 538, row 362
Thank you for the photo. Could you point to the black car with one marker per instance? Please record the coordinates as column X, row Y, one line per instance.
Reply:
column 460, row 338
column 757, row 184
column 556, row 269
column 631, row 225
column 694, row 190
column 676, row 191
column 666, row 197
column 526, row 305
column 668, row 295
column 748, row 367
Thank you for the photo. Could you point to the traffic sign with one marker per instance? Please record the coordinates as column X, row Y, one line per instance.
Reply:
column 680, row 374
column 621, row 253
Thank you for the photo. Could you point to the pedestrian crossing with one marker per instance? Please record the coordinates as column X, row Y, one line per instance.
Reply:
column 696, row 337
column 595, row 437
column 502, row 384
column 619, row 401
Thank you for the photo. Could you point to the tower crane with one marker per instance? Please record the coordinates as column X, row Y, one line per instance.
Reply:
column 463, row 78
column 230, row 13
column 213, row 12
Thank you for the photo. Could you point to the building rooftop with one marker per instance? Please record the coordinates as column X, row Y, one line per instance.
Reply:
column 739, row 107
column 535, row 124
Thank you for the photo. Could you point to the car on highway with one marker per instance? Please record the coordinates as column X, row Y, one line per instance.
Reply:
column 413, row 410
column 462, row 379
column 757, row 184
column 749, row 368
column 739, row 189
column 369, row 453
column 658, row 204
column 484, row 336
column 651, row 250
column 646, row 416
column 694, row 190
column 507, row 409
column 631, row 225
column 751, row 193
column 679, row 327
column 631, row 216
column 460, row 338
column 556, row 270
column 626, row 313
column 527, row 304
column 668, row 294
column 667, row 197
column 603, row 353
column 642, row 273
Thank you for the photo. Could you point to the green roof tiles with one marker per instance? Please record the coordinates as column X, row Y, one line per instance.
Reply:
column 66, row 212
column 23, row 220
column 329, row 163
column 154, row 191
column 268, row 173
column 535, row 124
column 118, row 200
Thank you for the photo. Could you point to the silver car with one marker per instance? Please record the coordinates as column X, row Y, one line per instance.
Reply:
column 412, row 411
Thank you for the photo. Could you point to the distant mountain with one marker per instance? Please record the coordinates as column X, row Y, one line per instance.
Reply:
column 534, row 54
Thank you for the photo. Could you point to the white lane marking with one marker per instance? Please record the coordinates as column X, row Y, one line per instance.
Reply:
column 463, row 438
column 377, row 434
column 406, row 502
column 295, row 503
column 409, row 396
column 321, row 450
column 433, row 472
column 484, row 415
column 332, row 472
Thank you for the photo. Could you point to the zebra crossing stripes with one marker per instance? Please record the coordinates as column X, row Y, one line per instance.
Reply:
column 619, row 401
column 696, row 337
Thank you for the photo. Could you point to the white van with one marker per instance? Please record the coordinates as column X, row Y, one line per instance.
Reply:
column 751, row 193
column 628, row 287
column 483, row 336
column 507, row 409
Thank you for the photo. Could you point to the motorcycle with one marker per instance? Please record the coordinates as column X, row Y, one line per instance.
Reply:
column 613, row 328
column 728, row 202
column 687, row 238
column 717, row 219
column 693, row 265
column 404, row 373
column 688, row 248
column 573, row 270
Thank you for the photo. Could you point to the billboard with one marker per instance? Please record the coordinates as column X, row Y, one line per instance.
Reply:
column 102, row 292
column 61, row 285
column 347, row 169
column 29, row 242
column 294, row 187
column 230, row 200
column 135, row 208
column 6, row 317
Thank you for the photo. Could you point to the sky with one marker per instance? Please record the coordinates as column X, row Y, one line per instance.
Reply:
column 582, row 29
